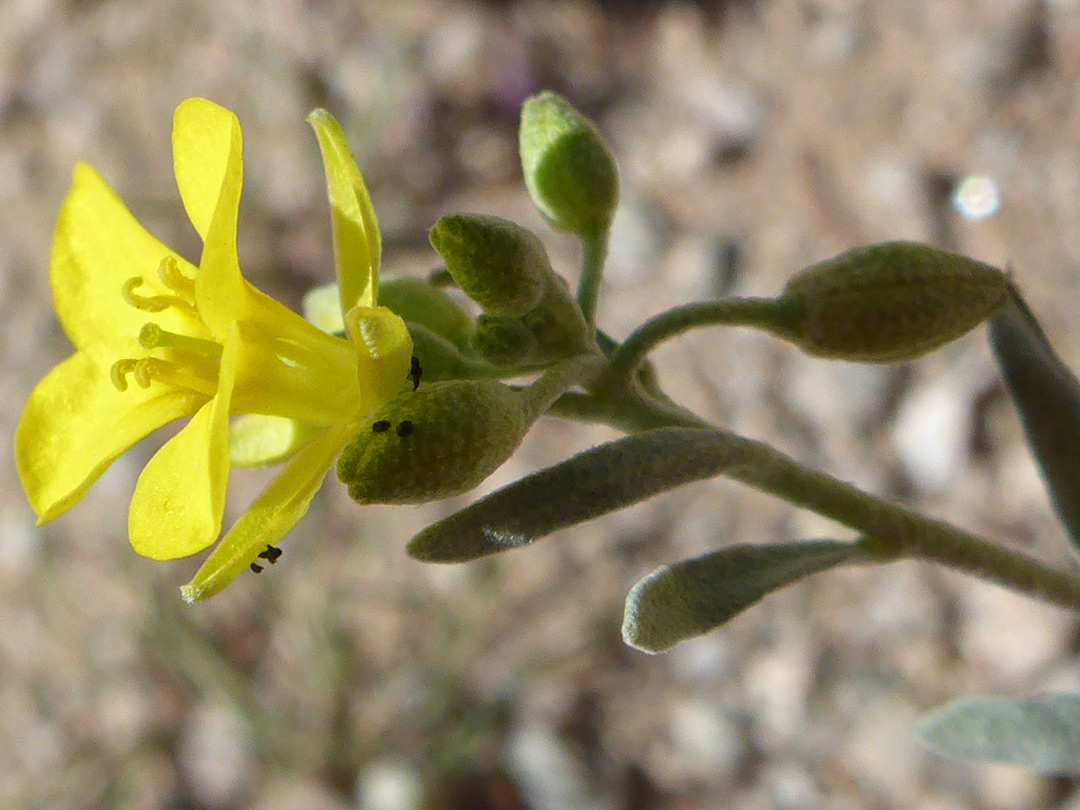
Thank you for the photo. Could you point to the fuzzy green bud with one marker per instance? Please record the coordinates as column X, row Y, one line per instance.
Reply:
column 569, row 171
column 418, row 301
column 500, row 265
column 504, row 342
column 888, row 302
column 433, row 443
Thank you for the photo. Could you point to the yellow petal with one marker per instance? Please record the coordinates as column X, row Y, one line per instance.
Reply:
column 271, row 516
column 210, row 173
column 357, row 243
column 384, row 353
column 97, row 247
column 206, row 155
column 256, row 440
column 180, row 497
column 76, row 423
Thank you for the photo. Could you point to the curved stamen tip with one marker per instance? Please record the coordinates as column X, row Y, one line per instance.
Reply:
column 119, row 371
column 173, row 277
column 152, row 303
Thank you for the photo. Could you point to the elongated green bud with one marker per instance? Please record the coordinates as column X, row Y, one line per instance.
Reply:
column 888, row 302
column 439, row 441
column 497, row 263
column 569, row 172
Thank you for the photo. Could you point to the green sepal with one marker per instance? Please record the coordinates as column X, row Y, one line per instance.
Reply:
column 593, row 483
column 441, row 360
column 686, row 599
column 438, row 441
column 418, row 301
column 888, row 302
column 500, row 265
column 1047, row 396
column 1040, row 732
column 569, row 171
column 257, row 440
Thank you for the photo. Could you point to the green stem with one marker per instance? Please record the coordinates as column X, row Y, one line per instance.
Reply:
column 559, row 379
column 594, row 249
column 892, row 531
column 763, row 313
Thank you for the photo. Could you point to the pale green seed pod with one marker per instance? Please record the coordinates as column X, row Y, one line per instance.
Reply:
column 439, row 441
column 569, row 171
column 500, row 265
column 888, row 302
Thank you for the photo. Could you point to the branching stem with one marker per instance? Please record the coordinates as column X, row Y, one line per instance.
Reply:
column 762, row 313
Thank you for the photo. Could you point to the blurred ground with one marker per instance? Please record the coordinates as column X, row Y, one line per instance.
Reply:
column 753, row 138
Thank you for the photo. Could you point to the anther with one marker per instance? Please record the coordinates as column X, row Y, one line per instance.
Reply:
column 381, row 426
column 405, row 429
column 172, row 277
column 119, row 371
column 256, row 568
column 150, row 303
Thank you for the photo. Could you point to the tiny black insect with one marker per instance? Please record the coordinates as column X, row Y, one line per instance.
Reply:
column 380, row 426
column 405, row 428
column 271, row 555
column 256, row 568
column 415, row 372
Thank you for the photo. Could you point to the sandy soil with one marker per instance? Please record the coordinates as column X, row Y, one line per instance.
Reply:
column 753, row 139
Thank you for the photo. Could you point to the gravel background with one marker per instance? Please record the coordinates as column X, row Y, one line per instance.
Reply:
column 753, row 138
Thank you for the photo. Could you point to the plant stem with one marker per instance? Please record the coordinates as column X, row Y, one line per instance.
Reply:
column 891, row 531
column 594, row 249
column 763, row 313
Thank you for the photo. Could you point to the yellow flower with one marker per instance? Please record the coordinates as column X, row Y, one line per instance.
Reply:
column 158, row 339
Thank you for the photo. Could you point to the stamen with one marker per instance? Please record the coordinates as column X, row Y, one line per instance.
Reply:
column 151, row 303
column 173, row 277
column 152, row 336
column 148, row 369
column 119, row 371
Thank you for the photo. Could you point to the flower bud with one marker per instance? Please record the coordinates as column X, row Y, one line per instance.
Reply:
column 888, row 302
column 569, row 172
column 439, row 441
column 497, row 263
column 504, row 342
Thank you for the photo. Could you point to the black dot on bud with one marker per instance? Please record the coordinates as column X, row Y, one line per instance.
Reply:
column 405, row 429
column 271, row 555
column 380, row 427
column 255, row 567
column 415, row 372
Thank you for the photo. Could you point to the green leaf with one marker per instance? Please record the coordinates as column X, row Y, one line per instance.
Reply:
column 1040, row 732
column 688, row 598
column 598, row 481
column 1047, row 395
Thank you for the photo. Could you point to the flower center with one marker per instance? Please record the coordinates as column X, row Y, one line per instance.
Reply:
column 188, row 362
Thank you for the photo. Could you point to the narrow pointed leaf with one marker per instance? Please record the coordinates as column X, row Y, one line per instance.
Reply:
column 598, row 481
column 688, row 598
column 1047, row 395
column 1040, row 732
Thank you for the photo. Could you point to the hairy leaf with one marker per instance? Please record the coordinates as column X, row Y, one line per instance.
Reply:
column 688, row 598
column 598, row 481
column 1041, row 732
column 1047, row 395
